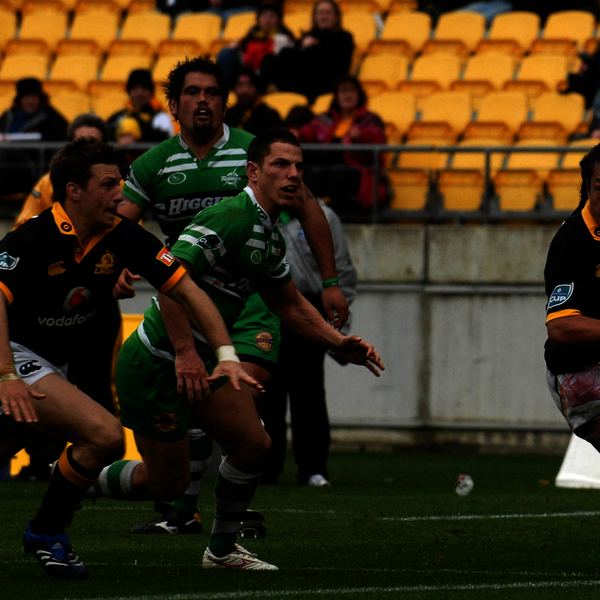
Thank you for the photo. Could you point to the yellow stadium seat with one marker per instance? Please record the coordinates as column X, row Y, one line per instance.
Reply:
column 237, row 26
column 410, row 189
column 425, row 159
column 449, row 107
column 81, row 68
column 571, row 159
column 82, row 6
column 477, row 159
column 363, row 27
column 98, row 25
column 431, row 73
column 382, row 72
column 107, row 105
column 575, row 25
column 394, row 6
column 292, row 6
column 19, row 66
column 298, row 22
column 163, row 66
column 566, row 109
column 348, row 6
column 397, row 110
column 512, row 33
column 461, row 190
column 6, row 101
column 541, row 162
column 71, row 105
column 519, row 190
column 485, row 73
column 179, row 49
column 139, row 6
column 118, row 68
column 505, row 107
column 32, row 6
column 283, row 102
column 404, row 33
column 137, row 47
column 322, row 103
column 48, row 25
column 153, row 27
column 457, row 32
column 56, row 87
column 564, row 186
column 32, row 46
column 539, row 73
column 97, row 88
column 203, row 28
column 8, row 26
column 79, row 46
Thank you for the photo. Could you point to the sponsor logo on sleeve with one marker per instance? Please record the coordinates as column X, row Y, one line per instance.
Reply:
column 209, row 242
column 7, row 262
column 165, row 257
column 56, row 268
column 264, row 340
column 560, row 295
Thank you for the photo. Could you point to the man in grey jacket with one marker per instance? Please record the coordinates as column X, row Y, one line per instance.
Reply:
column 300, row 371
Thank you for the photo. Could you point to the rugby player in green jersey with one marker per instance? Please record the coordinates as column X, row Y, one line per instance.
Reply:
column 182, row 176
column 230, row 250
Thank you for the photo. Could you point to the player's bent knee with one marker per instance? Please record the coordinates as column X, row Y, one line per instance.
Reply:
column 108, row 442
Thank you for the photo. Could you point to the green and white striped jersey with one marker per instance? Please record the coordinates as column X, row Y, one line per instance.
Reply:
column 172, row 179
column 232, row 247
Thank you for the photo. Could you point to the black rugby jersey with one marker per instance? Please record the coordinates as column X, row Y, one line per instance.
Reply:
column 54, row 289
column 572, row 277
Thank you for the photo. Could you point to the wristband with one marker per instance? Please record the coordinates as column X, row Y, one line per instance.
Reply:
column 334, row 281
column 224, row 353
column 9, row 377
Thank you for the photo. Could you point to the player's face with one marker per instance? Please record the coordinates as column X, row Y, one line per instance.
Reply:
column 593, row 190
column 280, row 175
column 200, row 109
column 102, row 195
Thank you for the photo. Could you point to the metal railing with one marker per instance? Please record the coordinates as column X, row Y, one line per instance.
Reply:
column 432, row 212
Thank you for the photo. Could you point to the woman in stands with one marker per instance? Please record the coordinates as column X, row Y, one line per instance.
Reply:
column 347, row 178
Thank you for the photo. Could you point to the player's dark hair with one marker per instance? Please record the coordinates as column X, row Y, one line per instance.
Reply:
column 74, row 162
column 260, row 146
column 587, row 164
column 173, row 86
column 88, row 120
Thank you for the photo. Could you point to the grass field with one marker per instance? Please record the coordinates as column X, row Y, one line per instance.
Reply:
column 390, row 527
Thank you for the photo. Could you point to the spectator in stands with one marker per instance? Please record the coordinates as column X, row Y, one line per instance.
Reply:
column 30, row 113
column 143, row 119
column 300, row 373
column 320, row 57
column 298, row 117
column 346, row 178
column 267, row 37
column 586, row 80
column 250, row 113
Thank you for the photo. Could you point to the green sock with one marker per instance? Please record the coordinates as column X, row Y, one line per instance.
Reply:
column 234, row 491
column 116, row 481
column 201, row 448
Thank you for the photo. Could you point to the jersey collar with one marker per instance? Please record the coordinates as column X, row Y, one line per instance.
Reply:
column 590, row 222
column 217, row 145
column 260, row 211
column 66, row 227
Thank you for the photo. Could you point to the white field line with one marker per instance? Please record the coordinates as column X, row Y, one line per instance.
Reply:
column 558, row 515
column 366, row 590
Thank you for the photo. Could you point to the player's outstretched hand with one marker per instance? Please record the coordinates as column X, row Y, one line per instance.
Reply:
column 336, row 306
column 16, row 396
column 192, row 376
column 359, row 352
column 236, row 374
column 123, row 288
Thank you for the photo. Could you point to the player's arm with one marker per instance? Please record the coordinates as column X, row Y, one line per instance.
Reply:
column 318, row 235
column 15, row 395
column 573, row 329
column 190, row 302
column 304, row 319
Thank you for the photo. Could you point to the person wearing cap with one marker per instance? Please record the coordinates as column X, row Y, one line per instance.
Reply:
column 143, row 119
column 250, row 113
column 30, row 113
